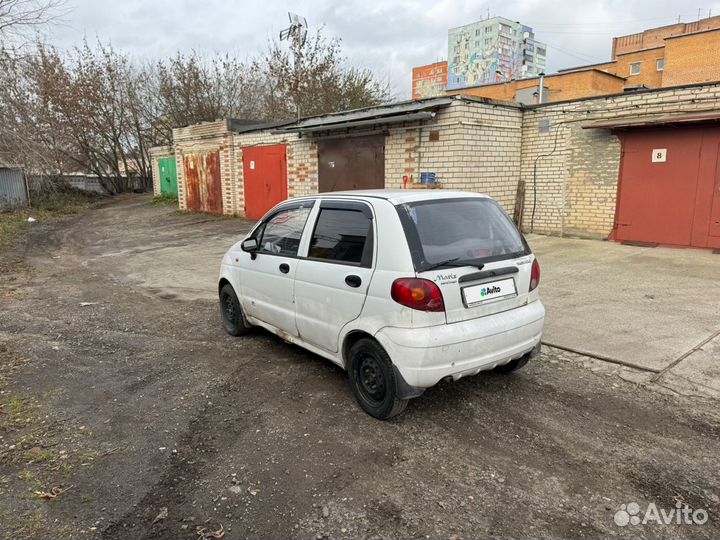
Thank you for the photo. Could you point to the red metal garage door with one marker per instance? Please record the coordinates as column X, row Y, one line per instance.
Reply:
column 203, row 186
column 669, row 187
column 265, row 178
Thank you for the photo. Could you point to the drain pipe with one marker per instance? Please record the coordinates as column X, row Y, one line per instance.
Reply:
column 542, row 87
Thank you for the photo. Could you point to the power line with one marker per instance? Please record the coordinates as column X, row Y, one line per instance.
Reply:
column 580, row 56
column 616, row 23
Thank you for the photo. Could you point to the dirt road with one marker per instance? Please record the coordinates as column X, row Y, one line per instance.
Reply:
column 122, row 389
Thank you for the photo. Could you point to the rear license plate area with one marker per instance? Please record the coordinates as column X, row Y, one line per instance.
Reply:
column 492, row 291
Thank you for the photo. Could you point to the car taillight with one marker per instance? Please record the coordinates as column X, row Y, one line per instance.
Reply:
column 534, row 275
column 415, row 293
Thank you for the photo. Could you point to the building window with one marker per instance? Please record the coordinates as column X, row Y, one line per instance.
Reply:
column 660, row 64
column 488, row 42
column 635, row 68
column 488, row 29
column 540, row 51
column 477, row 31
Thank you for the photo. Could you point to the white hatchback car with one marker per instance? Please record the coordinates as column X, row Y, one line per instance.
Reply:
column 400, row 288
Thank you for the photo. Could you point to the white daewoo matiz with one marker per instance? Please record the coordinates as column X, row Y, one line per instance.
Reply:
column 400, row 288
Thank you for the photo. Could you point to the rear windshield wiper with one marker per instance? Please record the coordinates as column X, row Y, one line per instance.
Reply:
column 453, row 262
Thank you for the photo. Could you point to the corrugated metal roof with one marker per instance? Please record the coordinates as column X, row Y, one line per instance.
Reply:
column 408, row 117
column 655, row 120
column 373, row 115
column 247, row 126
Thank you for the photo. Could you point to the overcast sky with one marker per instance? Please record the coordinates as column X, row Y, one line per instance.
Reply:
column 389, row 37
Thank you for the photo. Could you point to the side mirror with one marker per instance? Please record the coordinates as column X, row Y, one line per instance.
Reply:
column 249, row 245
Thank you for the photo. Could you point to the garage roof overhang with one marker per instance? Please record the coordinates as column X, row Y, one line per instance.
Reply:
column 375, row 116
column 656, row 120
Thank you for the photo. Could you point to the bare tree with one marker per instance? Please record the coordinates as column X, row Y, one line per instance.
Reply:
column 91, row 109
column 312, row 77
column 20, row 20
column 79, row 111
column 194, row 88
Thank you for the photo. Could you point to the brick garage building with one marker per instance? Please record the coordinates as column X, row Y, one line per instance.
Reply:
column 210, row 162
column 572, row 159
column 467, row 143
column 566, row 157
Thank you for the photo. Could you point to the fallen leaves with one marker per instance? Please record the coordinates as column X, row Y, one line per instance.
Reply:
column 163, row 514
column 208, row 533
column 53, row 493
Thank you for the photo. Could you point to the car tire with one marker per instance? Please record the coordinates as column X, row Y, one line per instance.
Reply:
column 232, row 316
column 513, row 365
column 372, row 380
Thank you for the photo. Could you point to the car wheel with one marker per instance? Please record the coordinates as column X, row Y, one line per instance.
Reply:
column 231, row 312
column 372, row 380
column 513, row 365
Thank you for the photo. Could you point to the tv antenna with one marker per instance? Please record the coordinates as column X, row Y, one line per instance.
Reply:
column 297, row 30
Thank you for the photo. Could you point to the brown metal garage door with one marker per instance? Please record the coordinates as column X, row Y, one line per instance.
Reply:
column 352, row 163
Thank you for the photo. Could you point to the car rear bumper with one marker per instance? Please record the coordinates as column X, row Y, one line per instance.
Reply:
column 424, row 356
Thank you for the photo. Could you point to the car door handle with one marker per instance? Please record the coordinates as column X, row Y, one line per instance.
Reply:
column 284, row 268
column 353, row 280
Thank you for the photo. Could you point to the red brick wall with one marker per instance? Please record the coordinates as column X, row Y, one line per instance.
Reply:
column 561, row 87
column 649, row 75
column 654, row 37
column 694, row 58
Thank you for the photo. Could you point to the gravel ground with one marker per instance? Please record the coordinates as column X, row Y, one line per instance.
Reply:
column 149, row 421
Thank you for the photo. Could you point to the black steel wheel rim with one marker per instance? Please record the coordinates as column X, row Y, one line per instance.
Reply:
column 229, row 309
column 371, row 379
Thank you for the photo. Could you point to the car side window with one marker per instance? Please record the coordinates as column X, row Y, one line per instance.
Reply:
column 281, row 234
column 343, row 235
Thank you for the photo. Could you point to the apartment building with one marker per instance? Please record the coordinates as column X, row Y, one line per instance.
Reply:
column 674, row 55
column 493, row 50
column 429, row 81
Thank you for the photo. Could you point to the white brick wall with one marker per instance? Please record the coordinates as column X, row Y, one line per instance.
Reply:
column 483, row 147
column 156, row 153
column 478, row 149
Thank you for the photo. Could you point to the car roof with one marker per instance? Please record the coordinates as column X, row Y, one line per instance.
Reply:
column 396, row 196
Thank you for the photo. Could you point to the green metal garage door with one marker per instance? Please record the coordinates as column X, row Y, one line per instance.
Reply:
column 168, row 176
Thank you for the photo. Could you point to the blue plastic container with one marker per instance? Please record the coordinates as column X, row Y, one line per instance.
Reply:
column 427, row 178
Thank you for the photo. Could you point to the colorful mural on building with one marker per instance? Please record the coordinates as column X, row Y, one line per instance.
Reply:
column 492, row 51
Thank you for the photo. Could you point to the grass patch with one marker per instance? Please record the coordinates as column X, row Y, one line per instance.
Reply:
column 27, row 476
column 17, row 414
column 165, row 199
column 14, row 223
column 39, row 456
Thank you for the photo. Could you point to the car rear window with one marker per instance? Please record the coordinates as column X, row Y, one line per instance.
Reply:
column 468, row 230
